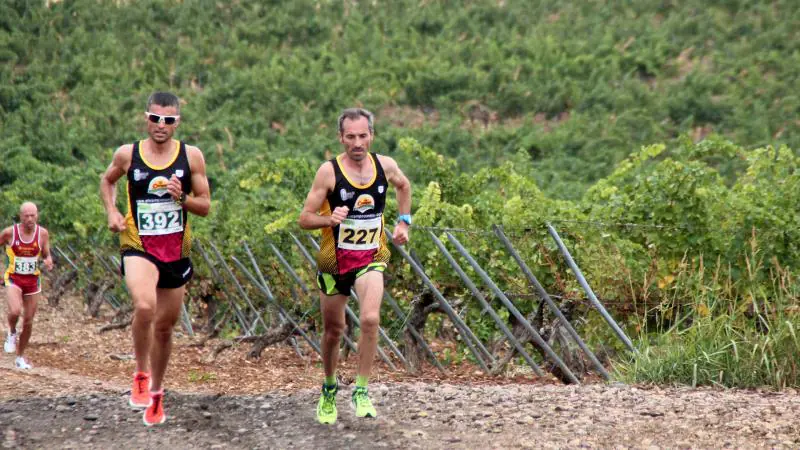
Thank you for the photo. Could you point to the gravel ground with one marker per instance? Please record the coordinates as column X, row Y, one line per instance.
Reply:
column 419, row 415
column 75, row 397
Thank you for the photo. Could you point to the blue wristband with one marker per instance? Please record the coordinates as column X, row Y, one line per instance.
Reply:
column 404, row 218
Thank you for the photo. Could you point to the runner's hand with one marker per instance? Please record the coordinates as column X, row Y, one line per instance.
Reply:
column 48, row 263
column 400, row 235
column 174, row 187
column 116, row 222
column 338, row 215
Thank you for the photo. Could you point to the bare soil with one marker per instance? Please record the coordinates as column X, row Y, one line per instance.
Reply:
column 75, row 397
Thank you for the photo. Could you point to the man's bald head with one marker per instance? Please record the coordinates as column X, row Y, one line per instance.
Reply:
column 28, row 215
column 28, row 207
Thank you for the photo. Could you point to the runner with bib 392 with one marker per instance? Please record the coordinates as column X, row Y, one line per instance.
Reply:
column 166, row 181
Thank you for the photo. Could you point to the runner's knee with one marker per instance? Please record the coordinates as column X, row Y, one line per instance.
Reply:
column 370, row 321
column 164, row 325
column 144, row 312
column 28, row 314
column 14, row 311
column 334, row 328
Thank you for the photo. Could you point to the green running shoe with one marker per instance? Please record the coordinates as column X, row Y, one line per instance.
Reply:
column 362, row 403
column 326, row 408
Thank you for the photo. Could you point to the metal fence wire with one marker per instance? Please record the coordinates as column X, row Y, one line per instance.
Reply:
column 270, row 282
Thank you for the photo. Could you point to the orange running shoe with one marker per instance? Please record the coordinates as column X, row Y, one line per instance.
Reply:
column 140, row 392
column 154, row 414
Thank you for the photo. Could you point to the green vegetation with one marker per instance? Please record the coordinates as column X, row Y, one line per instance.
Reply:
column 679, row 117
column 715, row 341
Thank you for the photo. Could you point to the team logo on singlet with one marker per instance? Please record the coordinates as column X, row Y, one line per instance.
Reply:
column 346, row 195
column 380, row 189
column 158, row 186
column 179, row 173
column 139, row 175
column 364, row 202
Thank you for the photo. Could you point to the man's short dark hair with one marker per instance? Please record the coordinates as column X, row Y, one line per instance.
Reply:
column 164, row 99
column 355, row 114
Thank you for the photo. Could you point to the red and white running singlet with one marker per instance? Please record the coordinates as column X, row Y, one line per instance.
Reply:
column 22, row 261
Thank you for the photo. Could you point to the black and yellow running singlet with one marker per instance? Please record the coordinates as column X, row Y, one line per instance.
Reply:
column 359, row 240
column 156, row 223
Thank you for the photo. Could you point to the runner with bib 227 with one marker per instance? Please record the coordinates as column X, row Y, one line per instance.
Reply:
column 347, row 202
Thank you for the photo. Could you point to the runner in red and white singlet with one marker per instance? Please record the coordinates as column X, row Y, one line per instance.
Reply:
column 26, row 242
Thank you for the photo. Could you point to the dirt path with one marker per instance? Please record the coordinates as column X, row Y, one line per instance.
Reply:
column 75, row 397
column 67, row 339
column 417, row 415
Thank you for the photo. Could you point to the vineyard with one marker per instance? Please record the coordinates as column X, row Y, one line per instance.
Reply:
column 669, row 167
column 602, row 191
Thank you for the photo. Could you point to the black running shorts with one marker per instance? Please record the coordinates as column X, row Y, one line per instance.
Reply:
column 171, row 275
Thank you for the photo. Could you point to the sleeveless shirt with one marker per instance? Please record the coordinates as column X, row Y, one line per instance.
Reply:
column 156, row 223
column 359, row 240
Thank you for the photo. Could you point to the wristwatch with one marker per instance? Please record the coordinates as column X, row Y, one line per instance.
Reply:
column 182, row 198
column 404, row 218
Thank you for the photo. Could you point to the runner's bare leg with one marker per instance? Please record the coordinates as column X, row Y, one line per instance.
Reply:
column 14, row 302
column 332, row 307
column 29, row 305
column 369, row 288
column 141, row 277
column 168, row 310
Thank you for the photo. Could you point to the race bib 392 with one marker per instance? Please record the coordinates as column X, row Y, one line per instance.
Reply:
column 155, row 219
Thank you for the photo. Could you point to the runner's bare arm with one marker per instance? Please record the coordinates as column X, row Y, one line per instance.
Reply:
column 199, row 202
column 323, row 183
column 5, row 235
column 48, row 257
column 402, row 186
column 118, row 167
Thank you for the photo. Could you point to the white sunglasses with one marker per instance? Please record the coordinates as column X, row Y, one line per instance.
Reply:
column 155, row 118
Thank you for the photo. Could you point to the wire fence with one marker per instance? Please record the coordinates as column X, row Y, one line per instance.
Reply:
column 463, row 284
